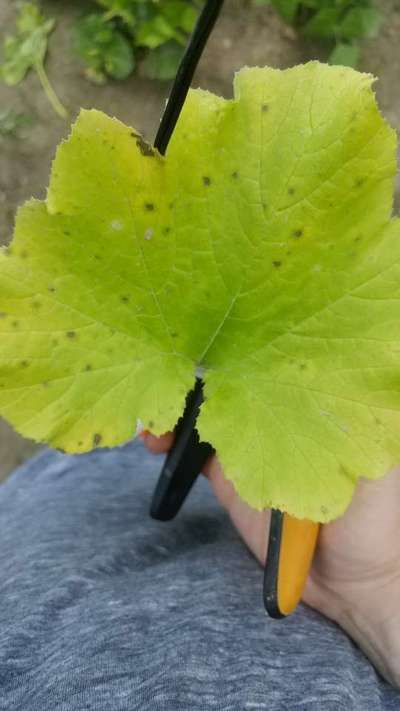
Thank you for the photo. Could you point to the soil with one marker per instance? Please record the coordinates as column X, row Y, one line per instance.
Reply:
column 244, row 35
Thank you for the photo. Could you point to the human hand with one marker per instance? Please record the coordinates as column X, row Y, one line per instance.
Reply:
column 355, row 576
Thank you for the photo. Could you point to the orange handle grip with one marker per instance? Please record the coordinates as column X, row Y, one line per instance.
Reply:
column 290, row 553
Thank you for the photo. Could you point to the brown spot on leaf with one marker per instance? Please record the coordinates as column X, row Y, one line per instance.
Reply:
column 97, row 439
column 70, row 334
column 297, row 233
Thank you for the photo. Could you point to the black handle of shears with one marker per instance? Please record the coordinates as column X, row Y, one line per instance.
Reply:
column 184, row 462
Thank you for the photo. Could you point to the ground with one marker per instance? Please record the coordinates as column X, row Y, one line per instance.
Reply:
column 244, row 35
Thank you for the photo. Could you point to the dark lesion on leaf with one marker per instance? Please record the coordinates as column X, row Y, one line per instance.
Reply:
column 166, row 230
column 125, row 299
column 88, row 367
column 344, row 471
column 359, row 182
column 15, row 324
column 297, row 233
column 265, row 108
column 150, row 424
column 97, row 438
column 36, row 304
column 144, row 147
column 149, row 206
column 277, row 263
column 66, row 232
column 70, row 334
column 303, row 366
column 291, row 191
column 24, row 363
column 235, row 174
column 51, row 288
column 206, row 180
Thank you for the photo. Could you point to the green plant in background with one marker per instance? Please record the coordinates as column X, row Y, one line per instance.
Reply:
column 12, row 121
column 27, row 50
column 343, row 21
column 106, row 51
column 111, row 41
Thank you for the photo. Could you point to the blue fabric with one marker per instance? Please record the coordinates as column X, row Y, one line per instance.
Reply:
column 103, row 608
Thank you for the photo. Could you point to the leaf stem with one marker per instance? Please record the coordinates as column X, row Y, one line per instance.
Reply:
column 49, row 91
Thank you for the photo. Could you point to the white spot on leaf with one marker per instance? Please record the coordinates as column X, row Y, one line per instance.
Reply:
column 149, row 233
column 117, row 225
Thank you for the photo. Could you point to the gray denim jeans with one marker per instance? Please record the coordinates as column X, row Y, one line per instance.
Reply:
column 103, row 608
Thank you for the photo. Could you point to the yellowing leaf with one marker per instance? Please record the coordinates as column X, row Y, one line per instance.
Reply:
column 261, row 250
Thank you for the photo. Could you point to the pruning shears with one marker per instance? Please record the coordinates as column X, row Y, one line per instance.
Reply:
column 291, row 542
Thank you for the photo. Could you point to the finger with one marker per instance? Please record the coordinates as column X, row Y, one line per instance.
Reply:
column 251, row 524
column 157, row 445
